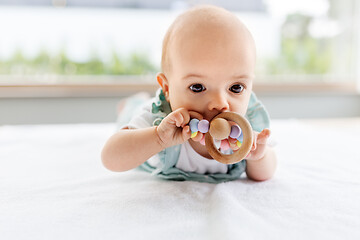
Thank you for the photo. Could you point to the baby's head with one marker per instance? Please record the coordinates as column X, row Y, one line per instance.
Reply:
column 208, row 62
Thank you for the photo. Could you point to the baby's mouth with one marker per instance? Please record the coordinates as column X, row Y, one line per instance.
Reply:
column 211, row 116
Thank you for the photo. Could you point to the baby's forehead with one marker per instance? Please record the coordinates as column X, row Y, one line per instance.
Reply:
column 211, row 22
column 204, row 28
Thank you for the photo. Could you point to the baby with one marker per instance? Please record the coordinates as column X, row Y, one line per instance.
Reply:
column 208, row 64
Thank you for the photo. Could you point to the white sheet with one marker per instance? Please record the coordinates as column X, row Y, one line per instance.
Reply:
column 53, row 186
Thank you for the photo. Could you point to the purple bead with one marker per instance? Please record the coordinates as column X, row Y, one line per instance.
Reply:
column 240, row 138
column 203, row 126
column 235, row 131
column 194, row 125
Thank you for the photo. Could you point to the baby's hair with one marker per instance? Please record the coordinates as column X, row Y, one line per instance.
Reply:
column 208, row 13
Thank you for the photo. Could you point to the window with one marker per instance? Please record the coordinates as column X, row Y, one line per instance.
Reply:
column 92, row 42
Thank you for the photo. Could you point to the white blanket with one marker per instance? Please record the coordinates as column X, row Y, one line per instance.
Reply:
column 53, row 186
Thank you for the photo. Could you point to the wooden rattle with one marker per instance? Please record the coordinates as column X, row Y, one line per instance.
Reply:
column 220, row 129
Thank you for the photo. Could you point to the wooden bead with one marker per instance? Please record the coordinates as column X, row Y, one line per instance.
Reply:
column 220, row 128
column 244, row 146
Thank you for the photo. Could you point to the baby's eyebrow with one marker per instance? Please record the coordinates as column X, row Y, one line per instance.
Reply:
column 193, row 75
column 236, row 77
column 243, row 76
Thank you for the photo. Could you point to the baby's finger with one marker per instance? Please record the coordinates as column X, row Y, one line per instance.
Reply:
column 202, row 141
column 179, row 120
column 232, row 140
column 198, row 137
column 254, row 142
column 233, row 145
column 263, row 136
column 186, row 117
column 182, row 118
column 196, row 115
column 186, row 133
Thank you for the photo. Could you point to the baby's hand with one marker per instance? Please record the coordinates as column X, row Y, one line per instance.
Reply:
column 173, row 129
column 259, row 145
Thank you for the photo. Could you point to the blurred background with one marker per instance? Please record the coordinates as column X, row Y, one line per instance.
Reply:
column 69, row 61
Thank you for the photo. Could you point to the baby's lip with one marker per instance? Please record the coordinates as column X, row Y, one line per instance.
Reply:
column 210, row 117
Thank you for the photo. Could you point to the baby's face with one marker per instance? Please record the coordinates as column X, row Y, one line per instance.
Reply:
column 211, row 72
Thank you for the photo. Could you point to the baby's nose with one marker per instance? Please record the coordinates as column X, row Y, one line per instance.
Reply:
column 218, row 102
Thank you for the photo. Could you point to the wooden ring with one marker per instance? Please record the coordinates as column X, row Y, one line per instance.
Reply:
column 245, row 147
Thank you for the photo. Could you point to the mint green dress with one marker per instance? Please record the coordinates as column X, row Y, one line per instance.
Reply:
column 256, row 115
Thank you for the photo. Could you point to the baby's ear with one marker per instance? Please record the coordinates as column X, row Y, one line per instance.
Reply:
column 164, row 84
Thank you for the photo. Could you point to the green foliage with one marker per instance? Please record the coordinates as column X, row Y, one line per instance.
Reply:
column 300, row 53
column 44, row 63
column 307, row 56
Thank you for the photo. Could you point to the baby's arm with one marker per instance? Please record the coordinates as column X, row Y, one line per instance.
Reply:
column 261, row 161
column 130, row 148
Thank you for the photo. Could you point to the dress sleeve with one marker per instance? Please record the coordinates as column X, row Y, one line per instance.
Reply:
column 257, row 114
column 135, row 113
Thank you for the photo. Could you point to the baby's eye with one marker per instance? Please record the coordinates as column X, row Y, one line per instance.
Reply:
column 197, row 88
column 236, row 88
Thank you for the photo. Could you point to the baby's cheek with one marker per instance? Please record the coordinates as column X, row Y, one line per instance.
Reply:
column 240, row 105
column 239, row 108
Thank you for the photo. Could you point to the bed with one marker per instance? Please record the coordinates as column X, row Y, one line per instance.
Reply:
column 53, row 186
